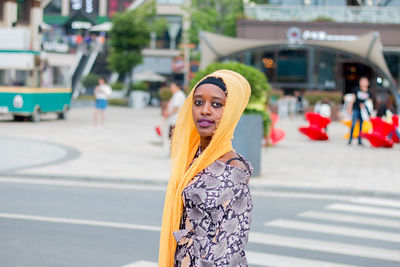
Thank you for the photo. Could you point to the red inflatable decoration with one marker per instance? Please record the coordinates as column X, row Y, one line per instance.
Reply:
column 276, row 135
column 395, row 120
column 316, row 129
column 380, row 132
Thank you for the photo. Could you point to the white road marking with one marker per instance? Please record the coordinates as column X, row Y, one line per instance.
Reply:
column 160, row 188
column 83, row 184
column 141, row 264
column 267, row 259
column 325, row 246
column 79, row 222
column 283, row 194
column 364, row 209
column 335, row 230
column 332, row 216
column 377, row 202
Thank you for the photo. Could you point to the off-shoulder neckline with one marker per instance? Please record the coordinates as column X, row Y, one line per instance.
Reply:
column 247, row 172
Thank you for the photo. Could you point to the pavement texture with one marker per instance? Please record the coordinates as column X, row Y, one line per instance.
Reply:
column 128, row 149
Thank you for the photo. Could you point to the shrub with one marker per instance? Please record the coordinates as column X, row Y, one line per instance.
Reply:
column 121, row 102
column 90, row 80
column 165, row 93
column 257, row 80
column 117, row 86
column 140, row 86
column 314, row 96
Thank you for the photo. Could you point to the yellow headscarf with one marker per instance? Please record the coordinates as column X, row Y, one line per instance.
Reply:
column 185, row 143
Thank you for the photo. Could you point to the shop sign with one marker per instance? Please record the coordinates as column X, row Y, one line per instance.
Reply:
column 81, row 25
column 294, row 35
column 324, row 36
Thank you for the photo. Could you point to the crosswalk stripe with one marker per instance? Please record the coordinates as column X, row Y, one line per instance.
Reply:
column 105, row 185
column 80, row 222
column 377, row 201
column 267, row 259
column 141, row 264
column 364, row 209
column 337, row 230
column 324, row 246
column 332, row 216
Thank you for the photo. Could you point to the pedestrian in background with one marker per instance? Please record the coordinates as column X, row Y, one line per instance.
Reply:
column 102, row 92
column 171, row 112
column 323, row 108
column 361, row 95
column 207, row 210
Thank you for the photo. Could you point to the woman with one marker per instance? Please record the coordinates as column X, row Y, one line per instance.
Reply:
column 207, row 210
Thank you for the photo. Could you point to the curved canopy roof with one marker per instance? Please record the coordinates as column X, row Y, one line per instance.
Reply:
column 368, row 47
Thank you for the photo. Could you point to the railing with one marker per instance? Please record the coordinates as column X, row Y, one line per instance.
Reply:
column 328, row 13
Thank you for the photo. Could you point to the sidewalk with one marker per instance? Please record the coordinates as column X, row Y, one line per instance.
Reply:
column 127, row 148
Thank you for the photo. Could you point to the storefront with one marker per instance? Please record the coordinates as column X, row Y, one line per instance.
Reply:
column 299, row 58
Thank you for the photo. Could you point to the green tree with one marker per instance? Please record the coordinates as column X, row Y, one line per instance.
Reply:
column 217, row 16
column 129, row 35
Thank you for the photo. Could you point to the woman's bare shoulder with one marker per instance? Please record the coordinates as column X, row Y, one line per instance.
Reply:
column 231, row 154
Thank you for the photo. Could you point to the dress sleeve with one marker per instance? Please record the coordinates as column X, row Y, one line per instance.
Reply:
column 226, row 247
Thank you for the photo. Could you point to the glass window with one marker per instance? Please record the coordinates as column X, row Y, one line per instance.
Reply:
column 173, row 31
column 393, row 62
column 115, row 6
column 324, row 70
column 269, row 65
column 292, row 66
column 23, row 11
column 53, row 8
column 1, row 9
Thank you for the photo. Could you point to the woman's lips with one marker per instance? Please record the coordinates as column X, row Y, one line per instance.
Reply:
column 205, row 123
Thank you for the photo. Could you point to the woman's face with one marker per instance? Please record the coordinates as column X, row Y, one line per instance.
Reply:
column 208, row 106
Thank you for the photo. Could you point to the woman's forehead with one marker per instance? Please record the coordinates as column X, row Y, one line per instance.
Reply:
column 209, row 90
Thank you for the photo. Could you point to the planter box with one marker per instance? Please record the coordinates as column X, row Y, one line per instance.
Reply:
column 247, row 140
column 138, row 99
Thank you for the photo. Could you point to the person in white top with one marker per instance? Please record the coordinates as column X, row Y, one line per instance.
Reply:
column 171, row 112
column 102, row 92
column 323, row 108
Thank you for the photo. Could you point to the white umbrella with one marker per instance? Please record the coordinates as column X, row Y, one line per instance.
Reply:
column 104, row 27
column 148, row 76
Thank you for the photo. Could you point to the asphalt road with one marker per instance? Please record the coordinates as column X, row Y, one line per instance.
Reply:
column 65, row 223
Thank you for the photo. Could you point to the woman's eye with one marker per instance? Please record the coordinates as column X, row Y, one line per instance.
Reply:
column 198, row 102
column 217, row 105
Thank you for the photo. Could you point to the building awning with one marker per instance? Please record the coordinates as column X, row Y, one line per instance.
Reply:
column 368, row 47
column 55, row 19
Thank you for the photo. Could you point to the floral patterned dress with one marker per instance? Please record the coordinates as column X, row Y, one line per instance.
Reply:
column 216, row 218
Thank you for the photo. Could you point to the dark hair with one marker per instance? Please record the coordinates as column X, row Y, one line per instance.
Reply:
column 213, row 80
column 169, row 83
column 363, row 77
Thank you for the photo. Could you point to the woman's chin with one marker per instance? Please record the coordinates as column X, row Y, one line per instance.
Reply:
column 204, row 133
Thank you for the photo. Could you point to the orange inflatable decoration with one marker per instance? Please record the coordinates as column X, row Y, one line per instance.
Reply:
column 366, row 127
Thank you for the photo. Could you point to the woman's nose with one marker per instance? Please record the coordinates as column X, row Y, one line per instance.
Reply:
column 205, row 109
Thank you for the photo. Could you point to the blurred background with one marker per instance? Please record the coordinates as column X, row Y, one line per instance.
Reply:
column 77, row 193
